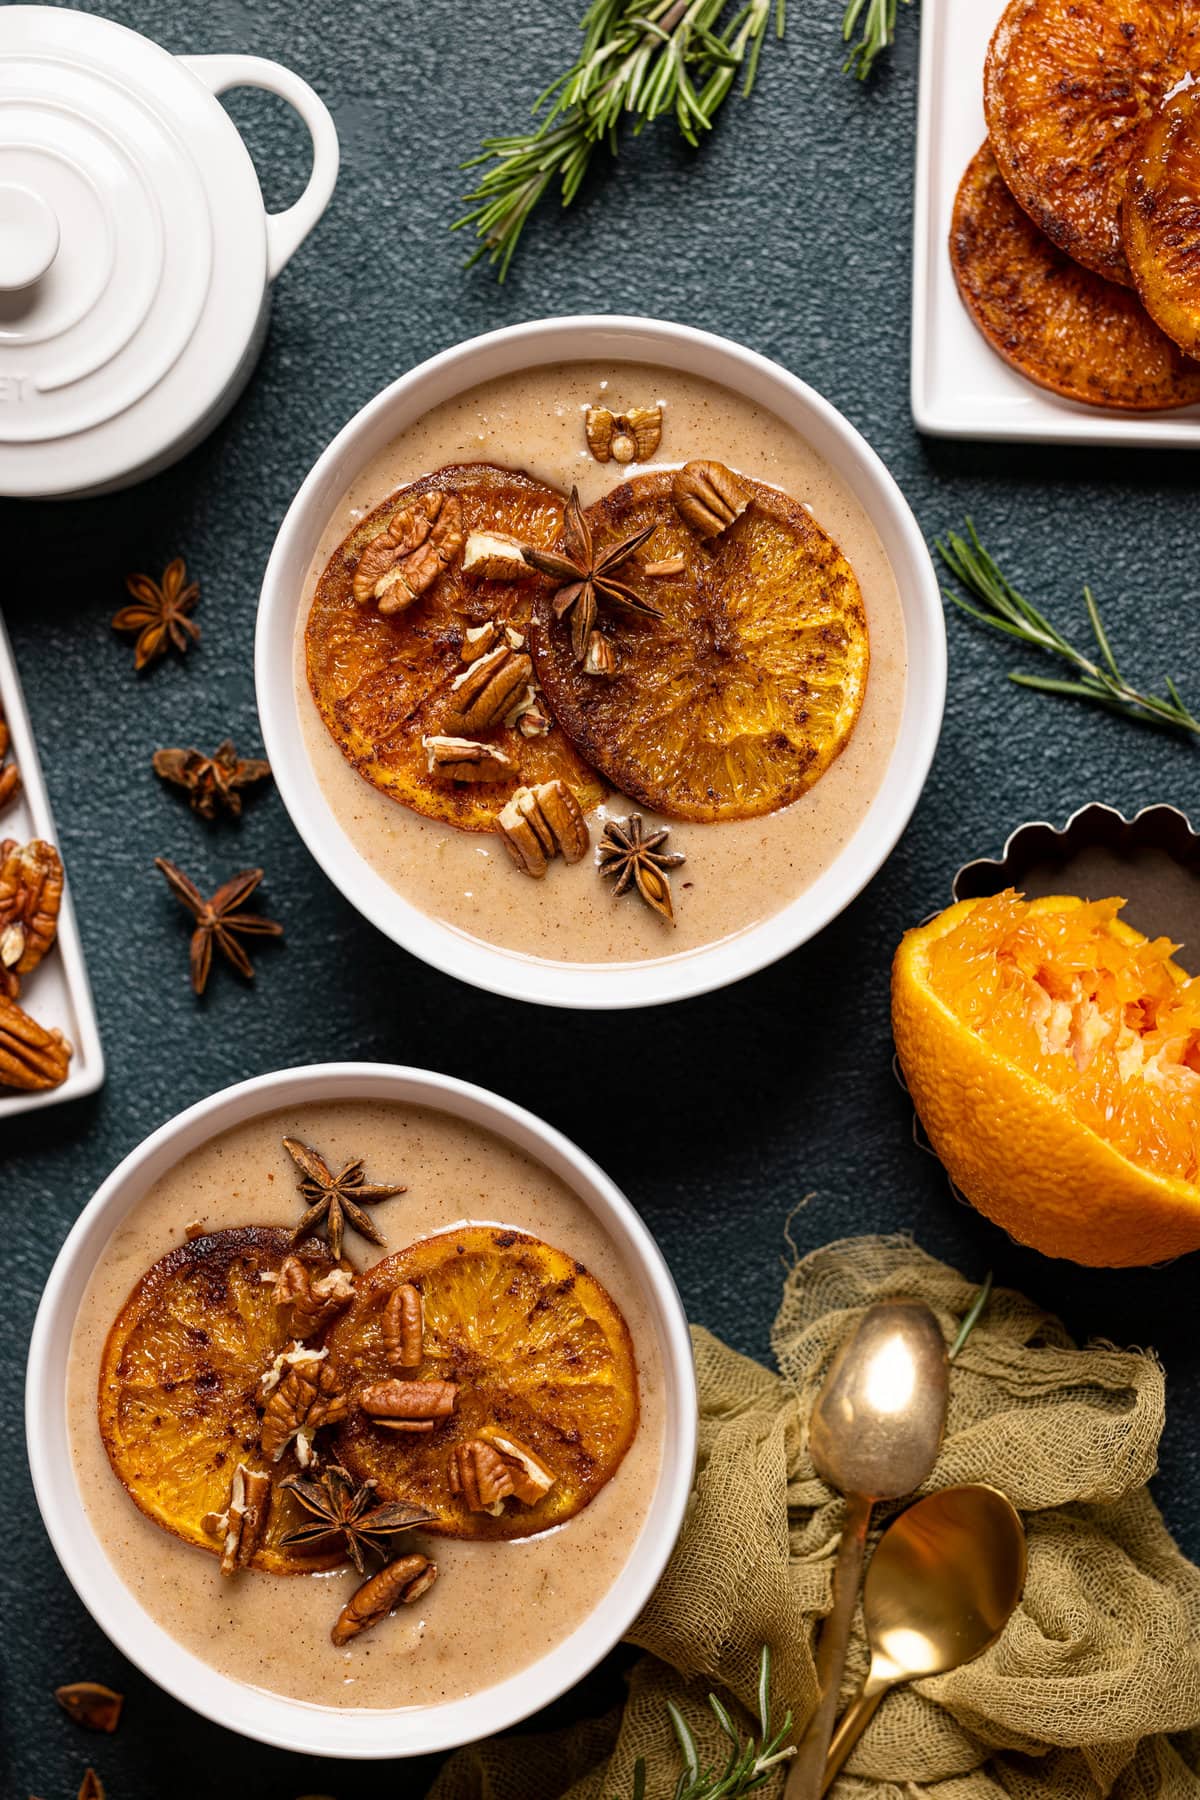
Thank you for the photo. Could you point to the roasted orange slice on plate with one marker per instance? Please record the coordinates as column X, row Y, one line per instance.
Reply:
column 1161, row 218
column 541, row 1364
column 383, row 679
column 1053, row 1055
column 1067, row 86
column 737, row 697
column 179, row 1388
column 1059, row 324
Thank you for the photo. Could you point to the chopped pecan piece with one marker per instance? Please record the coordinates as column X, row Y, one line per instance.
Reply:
column 299, row 1394
column 404, row 1328
column 308, row 1299
column 601, row 658
column 30, row 1056
column 532, row 719
column 623, row 436
column 709, row 497
column 462, row 759
column 91, row 1787
column 408, row 1405
column 402, row 1582
column 485, row 691
column 409, row 554
column 531, row 1478
column 478, row 640
column 10, row 775
column 539, row 822
column 670, row 565
column 240, row 1527
column 486, row 1471
column 491, row 556
column 91, row 1705
column 31, row 885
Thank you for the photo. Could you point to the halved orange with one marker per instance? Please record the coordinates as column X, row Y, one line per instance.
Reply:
column 738, row 697
column 1067, row 86
column 1056, row 322
column 179, row 1388
column 1053, row 1055
column 382, row 683
column 1161, row 218
column 541, row 1355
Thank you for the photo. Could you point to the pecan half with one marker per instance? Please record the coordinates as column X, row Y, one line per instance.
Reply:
column 485, row 690
column 404, row 1328
column 299, row 1394
column 408, row 1405
column 31, row 885
column 709, row 497
column 240, row 1527
column 491, row 556
column 623, row 436
column 90, row 1704
column 402, row 1582
column 462, row 759
column 539, row 822
column 30, row 1056
column 308, row 1299
column 409, row 554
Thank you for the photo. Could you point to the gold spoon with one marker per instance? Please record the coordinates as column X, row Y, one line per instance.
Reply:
column 874, row 1435
column 943, row 1583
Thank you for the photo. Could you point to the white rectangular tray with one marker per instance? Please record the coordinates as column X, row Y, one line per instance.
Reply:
column 960, row 387
column 58, row 993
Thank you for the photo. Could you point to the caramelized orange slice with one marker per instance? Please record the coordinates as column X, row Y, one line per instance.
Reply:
column 738, row 697
column 382, row 682
column 1056, row 322
column 1067, row 85
column 179, row 1385
column 541, row 1358
column 1161, row 218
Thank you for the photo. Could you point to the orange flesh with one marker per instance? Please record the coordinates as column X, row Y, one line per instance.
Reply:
column 1098, row 1014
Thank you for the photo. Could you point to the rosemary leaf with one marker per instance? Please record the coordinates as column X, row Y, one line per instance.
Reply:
column 878, row 33
column 750, row 1763
column 999, row 605
column 640, row 61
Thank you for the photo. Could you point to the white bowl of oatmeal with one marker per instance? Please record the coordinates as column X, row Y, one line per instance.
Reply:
column 515, row 1616
column 760, row 879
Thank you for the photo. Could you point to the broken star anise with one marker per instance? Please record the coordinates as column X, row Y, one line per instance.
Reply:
column 640, row 861
column 338, row 1507
column 335, row 1200
column 160, row 611
column 587, row 574
column 213, row 783
column 219, row 921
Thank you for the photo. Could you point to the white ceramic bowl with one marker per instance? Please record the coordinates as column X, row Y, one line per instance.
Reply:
column 289, row 1723
column 600, row 338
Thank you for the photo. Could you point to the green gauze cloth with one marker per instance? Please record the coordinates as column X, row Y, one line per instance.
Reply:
column 1092, row 1692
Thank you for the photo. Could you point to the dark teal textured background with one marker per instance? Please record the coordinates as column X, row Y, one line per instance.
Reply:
column 789, row 231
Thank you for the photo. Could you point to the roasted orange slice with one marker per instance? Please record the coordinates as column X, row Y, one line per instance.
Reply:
column 179, row 1385
column 1056, row 322
column 738, row 696
column 541, row 1359
column 383, row 681
column 1067, row 86
column 1161, row 218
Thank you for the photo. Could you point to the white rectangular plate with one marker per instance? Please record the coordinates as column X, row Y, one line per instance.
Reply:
column 960, row 387
column 58, row 993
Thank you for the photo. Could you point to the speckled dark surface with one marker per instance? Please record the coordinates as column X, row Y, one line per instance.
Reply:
column 790, row 231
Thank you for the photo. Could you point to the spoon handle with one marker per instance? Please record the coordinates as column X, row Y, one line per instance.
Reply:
column 854, row 1722
column 807, row 1771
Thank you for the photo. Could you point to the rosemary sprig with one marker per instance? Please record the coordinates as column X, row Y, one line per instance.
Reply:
column 638, row 62
column 1004, row 609
column 878, row 32
column 749, row 1763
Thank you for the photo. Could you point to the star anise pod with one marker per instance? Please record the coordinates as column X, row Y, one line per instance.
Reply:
column 587, row 574
column 335, row 1200
column 160, row 613
column 639, row 861
column 338, row 1507
column 213, row 783
column 219, row 920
